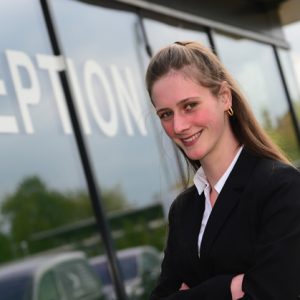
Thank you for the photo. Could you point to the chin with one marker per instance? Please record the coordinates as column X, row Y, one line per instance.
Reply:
column 194, row 156
column 191, row 154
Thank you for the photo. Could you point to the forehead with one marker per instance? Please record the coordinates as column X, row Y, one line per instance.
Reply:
column 174, row 86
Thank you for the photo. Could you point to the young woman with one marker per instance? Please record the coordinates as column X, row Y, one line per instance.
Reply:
column 234, row 234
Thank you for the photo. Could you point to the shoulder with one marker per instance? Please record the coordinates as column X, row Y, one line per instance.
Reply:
column 285, row 178
column 264, row 181
column 273, row 171
column 277, row 185
column 184, row 200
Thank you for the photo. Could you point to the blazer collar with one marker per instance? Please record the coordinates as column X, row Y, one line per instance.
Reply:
column 228, row 199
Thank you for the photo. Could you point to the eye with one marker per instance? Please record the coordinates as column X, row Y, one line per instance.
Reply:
column 189, row 106
column 165, row 115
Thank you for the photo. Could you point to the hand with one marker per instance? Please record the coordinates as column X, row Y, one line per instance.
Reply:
column 184, row 287
column 236, row 287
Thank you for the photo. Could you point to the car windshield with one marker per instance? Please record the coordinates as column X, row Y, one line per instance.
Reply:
column 15, row 288
column 128, row 268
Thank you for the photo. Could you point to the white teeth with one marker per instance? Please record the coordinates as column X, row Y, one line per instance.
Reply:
column 192, row 138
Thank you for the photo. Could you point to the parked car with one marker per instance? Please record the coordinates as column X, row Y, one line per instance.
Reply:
column 140, row 268
column 65, row 276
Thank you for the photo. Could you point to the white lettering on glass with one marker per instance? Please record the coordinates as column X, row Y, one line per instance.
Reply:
column 26, row 95
column 93, row 70
column 78, row 97
column 99, row 86
column 128, row 100
column 55, row 64
column 8, row 124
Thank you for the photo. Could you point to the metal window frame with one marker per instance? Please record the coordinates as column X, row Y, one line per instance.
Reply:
column 287, row 94
column 94, row 192
column 207, row 23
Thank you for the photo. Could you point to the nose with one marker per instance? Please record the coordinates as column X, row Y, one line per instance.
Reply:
column 180, row 123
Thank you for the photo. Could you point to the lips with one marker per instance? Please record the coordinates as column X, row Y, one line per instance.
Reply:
column 191, row 140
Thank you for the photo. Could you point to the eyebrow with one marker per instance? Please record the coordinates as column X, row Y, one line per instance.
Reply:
column 178, row 103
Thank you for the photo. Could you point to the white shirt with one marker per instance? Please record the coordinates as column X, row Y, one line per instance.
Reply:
column 202, row 185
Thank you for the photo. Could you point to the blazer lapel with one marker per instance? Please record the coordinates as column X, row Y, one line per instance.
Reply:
column 227, row 199
column 192, row 214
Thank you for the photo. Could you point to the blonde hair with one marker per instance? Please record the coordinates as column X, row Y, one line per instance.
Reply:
column 199, row 63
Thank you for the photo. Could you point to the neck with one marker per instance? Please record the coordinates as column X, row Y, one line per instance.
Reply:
column 216, row 164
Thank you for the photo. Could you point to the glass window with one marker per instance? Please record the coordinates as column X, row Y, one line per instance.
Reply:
column 129, row 267
column 15, row 286
column 254, row 66
column 48, row 289
column 106, row 70
column 150, row 261
column 291, row 79
column 42, row 181
column 108, row 80
column 100, row 265
column 291, row 64
column 291, row 32
column 161, row 34
column 77, row 280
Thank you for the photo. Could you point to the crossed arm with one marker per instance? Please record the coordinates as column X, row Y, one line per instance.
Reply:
column 235, row 287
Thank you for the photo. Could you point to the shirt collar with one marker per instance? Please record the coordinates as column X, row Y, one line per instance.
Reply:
column 201, row 182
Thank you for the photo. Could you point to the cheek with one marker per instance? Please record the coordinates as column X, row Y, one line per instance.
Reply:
column 168, row 128
column 201, row 118
column 208, row 116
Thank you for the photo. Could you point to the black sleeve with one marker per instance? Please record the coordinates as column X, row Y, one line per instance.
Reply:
column 275, row 272
column 216, row 288
column 169, row 281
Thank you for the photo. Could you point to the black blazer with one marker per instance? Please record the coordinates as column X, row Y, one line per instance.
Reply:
column 254, row 228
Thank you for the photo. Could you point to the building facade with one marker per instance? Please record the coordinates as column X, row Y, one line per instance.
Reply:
column 84, row 162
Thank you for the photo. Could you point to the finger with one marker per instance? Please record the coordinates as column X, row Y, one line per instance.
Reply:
column 184, row 287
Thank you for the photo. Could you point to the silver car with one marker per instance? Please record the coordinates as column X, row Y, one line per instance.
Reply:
column 66, row 276
column 140, row 269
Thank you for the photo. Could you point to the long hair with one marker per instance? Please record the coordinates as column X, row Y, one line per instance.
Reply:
column 199, row 63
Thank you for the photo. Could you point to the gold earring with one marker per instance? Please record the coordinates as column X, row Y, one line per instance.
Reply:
column 230, row 112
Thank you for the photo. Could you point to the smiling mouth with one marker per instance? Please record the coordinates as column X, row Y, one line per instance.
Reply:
column 189, row 141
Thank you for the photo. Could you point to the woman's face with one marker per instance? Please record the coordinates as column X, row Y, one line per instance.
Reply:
column 191, row 115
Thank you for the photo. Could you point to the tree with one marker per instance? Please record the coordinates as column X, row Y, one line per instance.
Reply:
column 34, row 208
column 6, row 251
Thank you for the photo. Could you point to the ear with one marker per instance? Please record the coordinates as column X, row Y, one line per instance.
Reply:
column 225, row 95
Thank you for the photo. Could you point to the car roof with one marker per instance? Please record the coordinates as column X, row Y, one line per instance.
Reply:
column 37, row 263
column 135, row 251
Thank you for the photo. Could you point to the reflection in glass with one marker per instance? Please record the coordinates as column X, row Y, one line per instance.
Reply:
column 14, row 287
column 291, row 32
column 292, row 83
column 254, row 66
column 140, row 267
column 112, row 102
column 48, row 290
column 50, row 277
column 42, row 183
column 161, row 34
column 106, row 71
